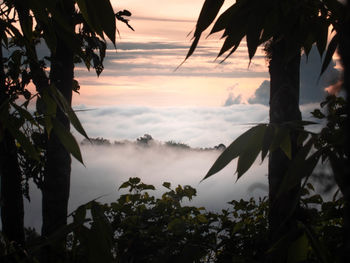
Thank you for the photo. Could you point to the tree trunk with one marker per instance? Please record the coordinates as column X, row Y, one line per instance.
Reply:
column 58, row 167
column 284, row 107
column 12, row 211
column 344, row 45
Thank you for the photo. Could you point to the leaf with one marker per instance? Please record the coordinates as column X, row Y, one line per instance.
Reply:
column 67, row 140
column 253, row 34
column 298, row 250
column 268, row 138
column 67, row 109
column 330, row 51
column 286, row 146
column 281, row 132
column 80, row 214
column 251, row 151
column 223, row 19
column 124, row 185
column 166, row 185
column 236, row 148
column 299, row 168
column 207, row 15
column 318, row 247
column 50, row 108
column 24, row 113
column 25, row 143
column 322, row 36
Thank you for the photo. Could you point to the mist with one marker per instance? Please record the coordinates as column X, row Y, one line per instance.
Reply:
column 107, row 167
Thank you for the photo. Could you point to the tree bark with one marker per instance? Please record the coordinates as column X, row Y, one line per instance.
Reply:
column 58, row 167
column 12, row 210
column 344, row 45
column 284, row 107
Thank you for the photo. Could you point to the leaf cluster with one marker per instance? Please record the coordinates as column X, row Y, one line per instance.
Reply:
column 138, row 227
column 302, row 23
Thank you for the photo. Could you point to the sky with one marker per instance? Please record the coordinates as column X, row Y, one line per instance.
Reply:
column 202, row 104
column 142, row 71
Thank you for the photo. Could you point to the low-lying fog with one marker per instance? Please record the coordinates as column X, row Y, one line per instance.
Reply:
column 108, row 166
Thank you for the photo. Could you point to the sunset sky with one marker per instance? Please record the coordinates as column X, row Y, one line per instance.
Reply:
column 140, row 92
column 141, row 72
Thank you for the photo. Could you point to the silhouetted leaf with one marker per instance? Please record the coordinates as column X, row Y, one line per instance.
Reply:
column 286, row 146
column 207, row 15
column 67, row 140
column 268, row 138
column 332, row 46
column 299, row 167
column 223, row 19
column 251, row 150
column 281, row 133
column 24, row 142
column 319, row 249
column 236, row 148
column 322, row 36
column 67, row 109
column 253, row 35
column 24, row 113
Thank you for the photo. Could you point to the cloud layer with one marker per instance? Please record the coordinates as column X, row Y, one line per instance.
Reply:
column 312, row 86
column 107, row 167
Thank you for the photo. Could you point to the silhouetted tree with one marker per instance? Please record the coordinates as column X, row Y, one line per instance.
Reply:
column 12, row 210
column 289, row 26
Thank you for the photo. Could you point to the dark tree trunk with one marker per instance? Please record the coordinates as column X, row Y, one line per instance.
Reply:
column 284, row 107
column 344, row 50
column 12, row 211
column 58, row 167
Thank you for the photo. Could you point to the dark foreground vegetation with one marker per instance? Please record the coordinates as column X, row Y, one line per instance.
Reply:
column 292, row 225
column 138, row 227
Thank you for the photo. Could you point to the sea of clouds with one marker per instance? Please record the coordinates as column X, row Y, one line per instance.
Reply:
column 106, row 167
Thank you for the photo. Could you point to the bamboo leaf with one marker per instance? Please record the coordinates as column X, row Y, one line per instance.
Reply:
column 67, row 109
column 286, row 146
column 207, row 15
column 268, row 138
column 251, row 150
column 253, row 34
column 67, row 140
column 299, row 167
column 236, row 148
column 330, row 51
column 224, row 19
column 322, row 36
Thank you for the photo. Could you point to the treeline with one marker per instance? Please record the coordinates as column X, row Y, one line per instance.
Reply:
column 148, row 141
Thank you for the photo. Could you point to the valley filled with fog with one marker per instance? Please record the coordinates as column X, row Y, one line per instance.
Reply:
column 108, row 166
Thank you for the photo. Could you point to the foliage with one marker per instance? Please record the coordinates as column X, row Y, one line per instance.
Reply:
column 178, row 145
column 327, row 145
column 139, row 227
column 303, row 23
